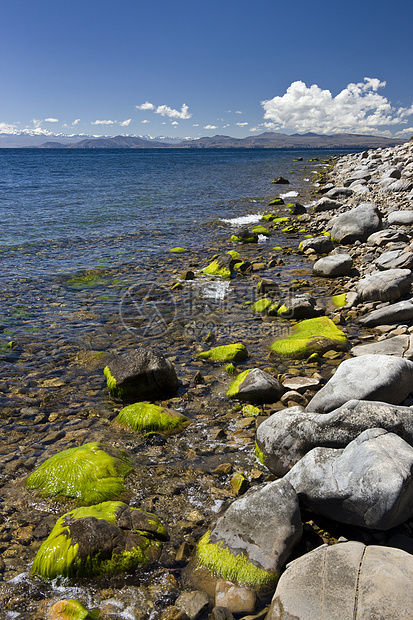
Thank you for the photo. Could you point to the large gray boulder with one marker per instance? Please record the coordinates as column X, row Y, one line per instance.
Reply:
column 286, row 436
column 401, row 217
column 356, row 224
column 320, row 245
column 262, row 527
column 387, row 285
column 348, row 581
column 333, row 265
column 369, row 483
column 399, row 312
column 370, row 377
column 395, row 259
column 400, row 346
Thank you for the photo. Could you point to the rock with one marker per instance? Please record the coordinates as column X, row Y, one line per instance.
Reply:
column 239, row 483
column 71, row 610
column 383, row 237
column 400, row 185
column 400, row 217
column 387, row 285
column 396, row 345
column 257, row 386
column 226, row 353
column 141, row 374
column 266, row 286
column 109, row 537
column 356, row 224
column 301, row 384
column 221, row 613
column 336, row 192
column 296, row 208
column 244, row 235
column 345, row 582
column 369, row 483
column 238, row 599
column 261, row 230
column 222, row 266
column 91, row 473
column 262, row 305
column 311, row 336
column 194, row 604
column 240, row 549
column 395, row 259
column 357, row 176
column 147, row 418
column 286, row 436
column 399, row 312
column 333, row 265
column 326, row 204
column 302, row 306
column 320, row 245
column 281, row 181
column 370, row 377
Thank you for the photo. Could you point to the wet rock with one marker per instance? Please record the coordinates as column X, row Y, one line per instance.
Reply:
column 71, row 610
column 256, row 385
column 285, row 437
column 333, row 265
column 222, row 266
column 332, row 582
column 302, row 306
column 245, row 235
column 221, row 613
column 369, row 483
column 226, row 353
column 320, row 245
column 281, row 181
column 146, row 418
column 316, row 335
column 370, row 377
column 398, row 312
column 238, row 599
column 194, row 603
column 141, row 374
column 387, row 285
column 356, row 224
column 395, row 259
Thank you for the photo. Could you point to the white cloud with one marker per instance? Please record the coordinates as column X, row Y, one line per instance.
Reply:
column 8, row 128
column 255, row 128
column 195, row 125
column 174, row 123
column 51, row 120
column 241, row 124
column 210, row 127
column 145, row 121
column 76, row 121
column 102, row 122
column 125, row 123
column 238, row 112
column 358, row 108
column 145, row 106
column 165, row 110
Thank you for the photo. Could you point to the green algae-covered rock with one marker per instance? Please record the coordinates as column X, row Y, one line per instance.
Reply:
column 316, row 335
column 281, row 220
column 147, row 418
column 339, row 300
column 234, row 254
column 178, row 250
column 110, row 537
column 227, row 353
column 222, row 266
column 244, row 235
column 91, row 473
column 255, row 385
column 268, row 217
column 70, row 609
column 276, row 201
column 261, row 305
column 251, row 411
column 261, row 230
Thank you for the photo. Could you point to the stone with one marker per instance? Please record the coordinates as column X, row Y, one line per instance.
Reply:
column 357, row 224
column 286, row 436
column 244, row 235
column 387, row 285
column 194, row 603
column 326, row 204
column 333, row 265
column 295, row 208
column 141, row 374
column 222, row 266
column 240, row 549
column 221, row 613
column 226, row 353
column 369, row 483
column 395, row 259
column 148, row 418
column 316, row 335
column 109, row 537
column 302, row 306
column 336, row 192
column 399, row 312
column 320, row 245
column 70, row 609
column 370, row 377
column 238, row 599
column 347, row 581
column 257, row 386
column 383, row 237
column 395, row 345
column 357, row 176
column 281, row 181
column 91, row 473
column 301, row 384
column 403, row 218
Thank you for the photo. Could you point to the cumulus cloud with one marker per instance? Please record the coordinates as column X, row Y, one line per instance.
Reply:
column 8, row 128
column 76, row 121
column 125, row 123
column 145, row 121
column 165, row 110
column 238, row 112
column 357, row 108
column 51, row 120
column 210, row 127
column 174, row 123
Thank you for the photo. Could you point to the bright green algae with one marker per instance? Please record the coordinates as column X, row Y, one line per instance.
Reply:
column 57, row 556
column 227, row 353
column 339, row 300
column 178, row 250
column 88, row 473
column 145, row 417
column 215, row 269
column 71, row 609
column 111, row 383
column 261, row 305
column 220, row 561
column 235, row 385
column 311, row 336
column 261, row 230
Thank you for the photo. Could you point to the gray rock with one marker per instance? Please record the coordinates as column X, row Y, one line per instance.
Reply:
column 401, row 185
column 395, row 259
column 348, row 581
column 399, row 312
column 326, row 204
column 370, row 377
column 221, row 613
column 286, row 436
column 360, row 175
column 395, row 345
column 336, row 192
column 194, row 603
column 356, row 224
column 302, row 306
column 401, row 217
column 333, row 265
column 259, row 387
column 383, row 237
column 369, row 483
column 320, row 245
column 387, row 285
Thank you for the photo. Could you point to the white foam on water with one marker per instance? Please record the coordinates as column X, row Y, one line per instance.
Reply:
column 213, row 289
column 243, row 219
column 289, row 194
column 306, row 180
column 262, row 238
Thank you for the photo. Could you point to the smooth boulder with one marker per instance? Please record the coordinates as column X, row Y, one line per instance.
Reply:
column 395, row 259
column 356, row 224
column 387, row 285
column 370, row 377
column 333, row 265
column 256, row 386
column 404, row 218
column 399, row 312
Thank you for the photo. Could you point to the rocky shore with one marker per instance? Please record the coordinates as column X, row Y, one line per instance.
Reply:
column 256, row 458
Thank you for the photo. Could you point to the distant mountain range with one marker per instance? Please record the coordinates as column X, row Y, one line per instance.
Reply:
column 267, row 140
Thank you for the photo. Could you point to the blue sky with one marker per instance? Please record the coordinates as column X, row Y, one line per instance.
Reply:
column 189, row 69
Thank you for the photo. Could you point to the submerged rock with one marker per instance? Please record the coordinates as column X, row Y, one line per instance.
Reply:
column 227, row 353
column 109, row 537
column 147, row 418
column 91, row 473
column 302, row 306
column 316, row 335
column 345, row 582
